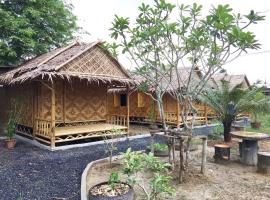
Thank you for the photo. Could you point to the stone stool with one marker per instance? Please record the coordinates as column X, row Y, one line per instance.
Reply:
column 222, row 152
column 263, row 164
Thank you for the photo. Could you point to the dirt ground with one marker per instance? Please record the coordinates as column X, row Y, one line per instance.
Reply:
column 229, row 181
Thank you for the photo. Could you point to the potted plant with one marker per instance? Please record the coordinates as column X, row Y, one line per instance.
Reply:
column 161, row 150
column 10, row 130
column 113, row 189
column 13, row 118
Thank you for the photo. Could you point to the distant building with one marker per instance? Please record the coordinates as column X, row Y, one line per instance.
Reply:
column 233, row 80
column 266, row 90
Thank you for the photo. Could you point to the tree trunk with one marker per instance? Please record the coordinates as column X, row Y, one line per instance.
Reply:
column 227, row 130
column 161, row 110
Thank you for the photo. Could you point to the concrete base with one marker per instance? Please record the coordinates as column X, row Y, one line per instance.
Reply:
column 36, row 143
column 249, row 152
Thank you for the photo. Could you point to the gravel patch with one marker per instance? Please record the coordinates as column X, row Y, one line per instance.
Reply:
column 32, row 173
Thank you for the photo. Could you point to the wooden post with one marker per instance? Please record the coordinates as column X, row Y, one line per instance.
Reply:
column 34, row 112
column 127, row 111
column 173, row 153
column 178, row 115
column 64, row 102
column 204, row 154
column 107, row 110
column 181, row 163
column 152, row 141
column 53, row 117
column 205, row 114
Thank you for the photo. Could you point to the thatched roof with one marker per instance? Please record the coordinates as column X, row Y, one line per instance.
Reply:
column 169, row 85
column 233, row 80
column 78, row 60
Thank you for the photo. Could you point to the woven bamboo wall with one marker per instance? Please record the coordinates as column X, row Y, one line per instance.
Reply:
column 44, row 102
column 23, row 95
column 137, row 111
column 3, row 109
column 85, row 102
column 74, row 102
column 169, row 103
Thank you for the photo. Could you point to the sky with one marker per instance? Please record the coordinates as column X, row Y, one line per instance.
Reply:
column 96, row 16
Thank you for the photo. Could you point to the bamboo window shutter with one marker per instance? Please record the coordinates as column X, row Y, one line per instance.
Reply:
column 116, row 100
column 141, row 100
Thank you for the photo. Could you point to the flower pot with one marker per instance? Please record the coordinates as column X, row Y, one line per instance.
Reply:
column 159, row 153
column 255, row 125
column 10, row 143
column 129, row 195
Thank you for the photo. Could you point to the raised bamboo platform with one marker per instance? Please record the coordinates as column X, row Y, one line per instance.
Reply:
column 91, row 128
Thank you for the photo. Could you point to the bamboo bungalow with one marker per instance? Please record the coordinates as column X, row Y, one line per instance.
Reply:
column 144, row 109
column 63, row 94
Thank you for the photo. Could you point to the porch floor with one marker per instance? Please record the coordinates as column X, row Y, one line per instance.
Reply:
column 88, row 128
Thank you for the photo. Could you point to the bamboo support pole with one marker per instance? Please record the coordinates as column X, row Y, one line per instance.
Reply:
column 204, row 154
column 173, row 153
column 34, row 112
column 178, row 115
column 64, row 102
column 107, row 106
column 128, row 110
column 169, row 144
column 53, row 117
column 205, row 114
column 152, row 142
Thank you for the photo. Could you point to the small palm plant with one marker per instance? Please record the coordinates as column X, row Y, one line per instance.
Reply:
column 229, row 102
column 13, row 118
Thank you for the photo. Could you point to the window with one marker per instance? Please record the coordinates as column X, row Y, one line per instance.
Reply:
column 141, row 100
column 116, row 100
column 120, row 100
column 123, row 100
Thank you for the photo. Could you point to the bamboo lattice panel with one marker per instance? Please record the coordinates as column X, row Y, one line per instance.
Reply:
column 44, row 103
column 59, row 101
column 85, row 102
column 94, row 62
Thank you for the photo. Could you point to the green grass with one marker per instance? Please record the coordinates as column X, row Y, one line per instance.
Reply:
column 265, row 128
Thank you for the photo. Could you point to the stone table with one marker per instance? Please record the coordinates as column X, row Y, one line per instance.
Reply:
column 249, row 145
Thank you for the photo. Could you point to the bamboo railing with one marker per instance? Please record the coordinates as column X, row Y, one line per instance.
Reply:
column 43, row 128
column 171, row 118
column 120, row 120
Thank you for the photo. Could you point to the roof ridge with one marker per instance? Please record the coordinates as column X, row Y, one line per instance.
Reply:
column 56, row 54
column 76, row 56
